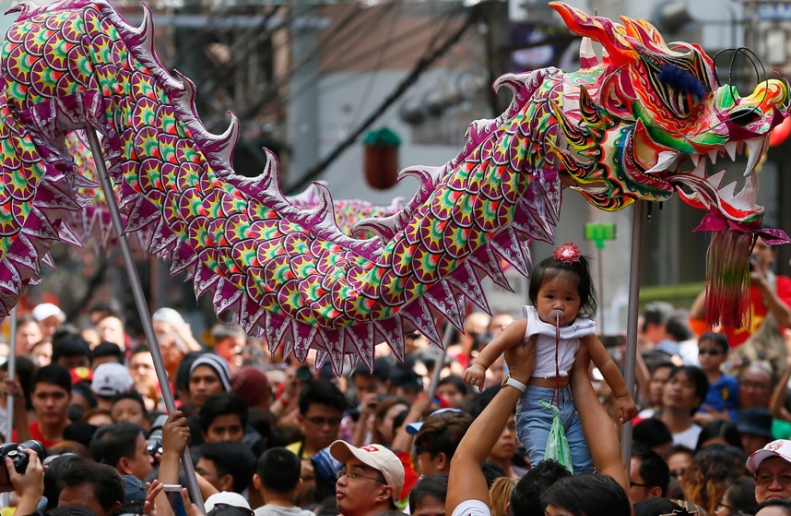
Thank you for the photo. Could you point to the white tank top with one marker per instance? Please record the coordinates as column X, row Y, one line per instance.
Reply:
column 545, row 342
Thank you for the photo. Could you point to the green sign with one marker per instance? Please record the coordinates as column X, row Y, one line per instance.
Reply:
column 599, row 232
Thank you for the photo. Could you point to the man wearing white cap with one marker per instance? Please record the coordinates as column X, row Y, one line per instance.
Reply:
column 370, row 481
column 49, row 317
column 772, row 468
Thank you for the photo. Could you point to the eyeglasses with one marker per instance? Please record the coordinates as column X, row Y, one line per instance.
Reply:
column 321, row 421
column 638, row 484
column 353, row 475
column 767, row 480
column 726, row 506
column 712, row 352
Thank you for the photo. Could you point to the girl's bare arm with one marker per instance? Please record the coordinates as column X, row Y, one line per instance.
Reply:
column 612, row 375
column 511, row 336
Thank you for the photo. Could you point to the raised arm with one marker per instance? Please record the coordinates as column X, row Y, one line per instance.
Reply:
column 509, row 338
column 611, row 373
column 466, row 481
column 600, row 432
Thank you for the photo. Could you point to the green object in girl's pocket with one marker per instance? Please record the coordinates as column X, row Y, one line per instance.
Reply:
column 557, row 444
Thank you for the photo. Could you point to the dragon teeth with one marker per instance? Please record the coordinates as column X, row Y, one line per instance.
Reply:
column 748, row 194
column 664, row 160
column 730, row 148
column 713, row 156
column 716, row 178
column 700, row 170
column 755, row 149
column 695, row 159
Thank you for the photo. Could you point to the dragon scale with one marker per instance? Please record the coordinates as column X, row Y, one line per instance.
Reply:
column 289, row 273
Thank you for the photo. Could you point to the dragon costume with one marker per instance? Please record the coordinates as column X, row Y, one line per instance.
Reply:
column 638, row 124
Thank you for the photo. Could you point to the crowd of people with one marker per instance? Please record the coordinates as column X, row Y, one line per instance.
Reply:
column 269, row 435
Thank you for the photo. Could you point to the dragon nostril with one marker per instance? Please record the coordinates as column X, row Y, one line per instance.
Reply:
column 744, row 117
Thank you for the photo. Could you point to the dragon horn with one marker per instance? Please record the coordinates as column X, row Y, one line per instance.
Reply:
column 610, row 35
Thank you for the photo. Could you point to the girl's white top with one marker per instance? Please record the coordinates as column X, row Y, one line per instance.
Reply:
column 545, row 342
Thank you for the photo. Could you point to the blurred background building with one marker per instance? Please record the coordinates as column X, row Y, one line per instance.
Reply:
column 308, row 79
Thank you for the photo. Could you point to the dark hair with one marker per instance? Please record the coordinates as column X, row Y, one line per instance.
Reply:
column 25, row 368
column 698, row 378
column 526, row 495
column 112, row 442
column 718, row 339
column 279, row 470
column 431, row 486
column 233, row 459
column 776, row 502
column 720, row 428
column 141, row 348
column 657, row 312
column 588, row 495
column 655, row 507
column 456, row 381
column 228, row 510
column 80, row 432
column 131, row 395
column 83, row 388
column 108, row 484
column 386, row 403
column 183, row 372
column 55, row 374
column 382, row 370
column 712, row 470
column 109, row 307
column 221, row 404
column 70, row 345
column 653, row 468
column 222, row 331
column 678, row 326
column 662, row 364
column 321, row 392
column 491, row 472
column 55, row 470
column 483, row 399
column 651, row 432
column 741, row 494
column 442, row 433
column 109, row 349
column 549, row 268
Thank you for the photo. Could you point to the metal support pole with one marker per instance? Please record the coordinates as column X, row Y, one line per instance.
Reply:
column 631, row 322
column 440, row 361
column 602, row 330
column 142, row 307
column 11, row 375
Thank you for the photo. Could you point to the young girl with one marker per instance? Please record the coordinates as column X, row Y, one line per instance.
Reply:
column 560, row 290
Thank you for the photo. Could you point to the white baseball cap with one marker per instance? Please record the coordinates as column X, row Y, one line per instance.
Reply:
column 111, row 379
column 377, row 457
column 779, row 448
column 44, row 311
column 226, row 498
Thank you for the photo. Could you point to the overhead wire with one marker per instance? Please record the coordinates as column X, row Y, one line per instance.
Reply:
column 420, row 67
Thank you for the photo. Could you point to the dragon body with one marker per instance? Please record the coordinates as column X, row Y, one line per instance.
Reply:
column 620, row 129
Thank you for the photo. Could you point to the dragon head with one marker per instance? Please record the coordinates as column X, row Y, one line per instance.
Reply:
column 640, row 123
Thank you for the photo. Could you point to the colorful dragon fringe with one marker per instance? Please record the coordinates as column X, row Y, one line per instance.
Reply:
column 93, row 224
column 621, row 129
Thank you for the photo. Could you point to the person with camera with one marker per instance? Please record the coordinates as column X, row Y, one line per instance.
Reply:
column 769, row 294
column 27, row 483
column 175, row 439
column 122, row 446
